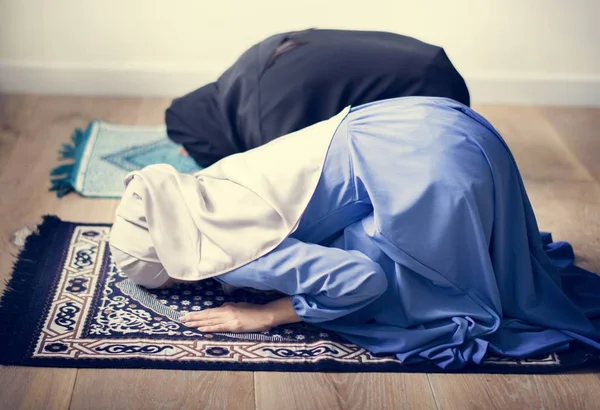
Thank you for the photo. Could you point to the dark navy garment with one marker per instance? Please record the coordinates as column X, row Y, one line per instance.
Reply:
column 292, row 80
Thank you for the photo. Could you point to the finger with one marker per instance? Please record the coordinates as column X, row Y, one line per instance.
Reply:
column 203, row 323
column 202, row 315
column 212, row 313
column 213, row 328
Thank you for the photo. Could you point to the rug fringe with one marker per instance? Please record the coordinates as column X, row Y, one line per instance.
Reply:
column 14, row 301
column 63, row 176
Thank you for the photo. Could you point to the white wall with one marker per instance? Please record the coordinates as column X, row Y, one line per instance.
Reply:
column 521, row 51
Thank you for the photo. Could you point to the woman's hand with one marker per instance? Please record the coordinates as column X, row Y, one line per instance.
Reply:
column 231, row 317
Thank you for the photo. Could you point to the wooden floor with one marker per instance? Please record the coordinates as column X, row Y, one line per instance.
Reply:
column 558, row 151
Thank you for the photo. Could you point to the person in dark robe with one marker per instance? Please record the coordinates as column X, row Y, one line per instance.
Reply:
column 292, row 80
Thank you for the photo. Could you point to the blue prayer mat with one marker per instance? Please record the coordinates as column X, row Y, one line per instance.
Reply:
column 67, row 305
column 104, row 153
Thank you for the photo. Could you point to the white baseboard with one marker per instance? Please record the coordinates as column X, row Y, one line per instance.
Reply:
column 142, row 80
column 126, row 80
column 535, row 89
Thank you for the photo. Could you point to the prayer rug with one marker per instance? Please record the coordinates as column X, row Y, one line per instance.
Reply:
column 104, row 153
column 67, row 305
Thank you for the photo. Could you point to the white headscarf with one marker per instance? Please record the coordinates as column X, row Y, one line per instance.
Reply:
column 203, row 225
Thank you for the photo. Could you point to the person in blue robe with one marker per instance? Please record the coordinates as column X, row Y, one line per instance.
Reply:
column 420, row 241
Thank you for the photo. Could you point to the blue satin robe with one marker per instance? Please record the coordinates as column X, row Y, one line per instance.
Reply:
column 420, row 241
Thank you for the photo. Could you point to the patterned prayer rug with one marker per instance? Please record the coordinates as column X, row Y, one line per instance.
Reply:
column 104, row 153
column 67, row 305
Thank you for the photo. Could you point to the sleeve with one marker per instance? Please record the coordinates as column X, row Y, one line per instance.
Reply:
column 325, row 283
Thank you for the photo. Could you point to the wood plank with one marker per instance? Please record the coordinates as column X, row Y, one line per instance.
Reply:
column 152, row 111
column 486, row 391
column 165, row 389
column 570, row 210
column 35, row 388
column 11, row 107
column 578, row 128
column 537, row 149
column 342, row 391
